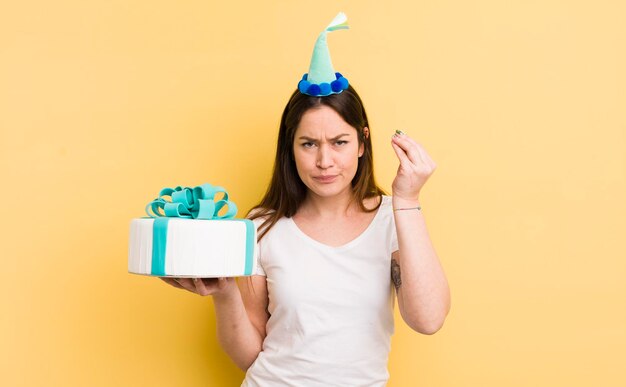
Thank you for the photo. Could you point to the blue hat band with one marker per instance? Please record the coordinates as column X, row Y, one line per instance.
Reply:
column 323, row 89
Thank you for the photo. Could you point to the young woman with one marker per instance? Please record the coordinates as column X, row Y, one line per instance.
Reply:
column 333, row 247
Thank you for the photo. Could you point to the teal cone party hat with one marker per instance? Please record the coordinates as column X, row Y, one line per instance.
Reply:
column 322, row 80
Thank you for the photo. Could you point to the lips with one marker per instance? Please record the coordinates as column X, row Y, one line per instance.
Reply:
column 325, row 178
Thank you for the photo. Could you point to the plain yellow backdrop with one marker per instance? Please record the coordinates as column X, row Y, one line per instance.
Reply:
column 522, row 104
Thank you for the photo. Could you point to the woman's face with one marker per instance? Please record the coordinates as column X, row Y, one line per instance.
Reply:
column 327, row 151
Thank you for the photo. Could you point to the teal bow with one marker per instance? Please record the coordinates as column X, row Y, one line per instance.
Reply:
column 196, row 203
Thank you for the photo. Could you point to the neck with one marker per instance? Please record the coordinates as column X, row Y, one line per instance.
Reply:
column 329, row 207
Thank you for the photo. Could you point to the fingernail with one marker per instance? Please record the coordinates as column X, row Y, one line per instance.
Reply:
column 399, row 132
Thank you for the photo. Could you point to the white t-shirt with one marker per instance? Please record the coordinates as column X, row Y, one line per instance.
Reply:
column 331, row 307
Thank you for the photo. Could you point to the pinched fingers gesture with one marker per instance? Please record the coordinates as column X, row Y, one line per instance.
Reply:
column 415, row 168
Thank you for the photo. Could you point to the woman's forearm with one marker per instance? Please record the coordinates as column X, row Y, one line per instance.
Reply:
column 424, row 295
column 235, row 332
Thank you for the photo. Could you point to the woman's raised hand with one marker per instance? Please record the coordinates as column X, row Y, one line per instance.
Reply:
column 202, row 286
column 415, row 168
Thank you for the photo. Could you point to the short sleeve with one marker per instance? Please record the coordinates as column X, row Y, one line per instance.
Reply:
column 390, row 225
column 387, row 225
column 394, row 236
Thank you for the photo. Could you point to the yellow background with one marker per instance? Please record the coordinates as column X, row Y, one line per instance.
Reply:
column 521, row 103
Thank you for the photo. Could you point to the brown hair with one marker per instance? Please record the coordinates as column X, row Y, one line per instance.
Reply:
column 286, row 191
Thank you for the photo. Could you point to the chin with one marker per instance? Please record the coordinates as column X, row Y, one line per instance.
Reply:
column 328, row 190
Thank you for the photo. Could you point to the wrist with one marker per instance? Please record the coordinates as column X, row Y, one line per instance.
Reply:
column 228, row 293
column 399, row 202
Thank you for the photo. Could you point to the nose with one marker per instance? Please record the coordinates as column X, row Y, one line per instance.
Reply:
column 324, row 157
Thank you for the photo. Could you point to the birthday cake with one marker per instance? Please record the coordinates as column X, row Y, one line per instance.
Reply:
column 190, row 233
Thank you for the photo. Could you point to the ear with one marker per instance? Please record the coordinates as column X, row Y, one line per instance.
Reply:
column 366, row 134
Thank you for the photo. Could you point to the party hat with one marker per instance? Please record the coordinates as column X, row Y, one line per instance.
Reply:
column 322, row 80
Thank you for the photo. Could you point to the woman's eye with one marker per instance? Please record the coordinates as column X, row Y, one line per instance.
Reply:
column 341, row 142
column 307, row 144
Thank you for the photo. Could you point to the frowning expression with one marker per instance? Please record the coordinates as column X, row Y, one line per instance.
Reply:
column 326, row 151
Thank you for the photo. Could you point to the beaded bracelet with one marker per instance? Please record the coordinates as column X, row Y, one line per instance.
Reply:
column 411, row 208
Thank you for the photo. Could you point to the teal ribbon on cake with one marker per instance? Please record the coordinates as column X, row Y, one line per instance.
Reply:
column 192, row 203
column 197, row 203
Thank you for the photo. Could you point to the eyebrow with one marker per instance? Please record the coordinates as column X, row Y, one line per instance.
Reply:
column 332, row 139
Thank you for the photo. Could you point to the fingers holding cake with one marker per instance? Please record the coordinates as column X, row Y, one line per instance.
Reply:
column 215, row 285
column 181, row 283
column 171, row 281
column 201, row 286
column 186, row 283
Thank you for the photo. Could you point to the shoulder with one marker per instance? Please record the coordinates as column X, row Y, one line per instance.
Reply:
column 259, row 215
column 383, row 207
column 388, row 224
column 386, row 205
column 374, row 202
column 386, row 201
column 265, row 221
column 385, row 212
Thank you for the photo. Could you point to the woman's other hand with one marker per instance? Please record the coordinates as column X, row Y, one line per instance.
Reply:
column 415, row 168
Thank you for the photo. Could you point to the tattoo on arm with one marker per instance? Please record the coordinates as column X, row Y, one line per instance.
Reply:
column 395, row 274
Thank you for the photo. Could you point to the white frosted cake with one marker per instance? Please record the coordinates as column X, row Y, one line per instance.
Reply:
column 192, row 247
column 191, row 233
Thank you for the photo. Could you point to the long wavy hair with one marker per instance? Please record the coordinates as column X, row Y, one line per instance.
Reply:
column 286, row 191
